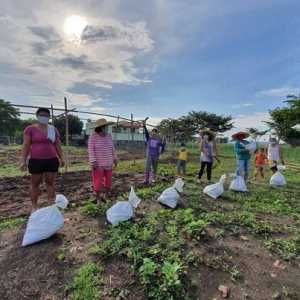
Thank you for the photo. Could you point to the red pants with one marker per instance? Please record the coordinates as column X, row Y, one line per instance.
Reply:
column 102, row 179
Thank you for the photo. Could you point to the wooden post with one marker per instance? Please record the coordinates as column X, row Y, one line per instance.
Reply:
column 52, row 115
column 67, row 135
column 132, row 139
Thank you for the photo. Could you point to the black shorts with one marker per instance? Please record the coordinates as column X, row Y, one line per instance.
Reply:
column 38, row 166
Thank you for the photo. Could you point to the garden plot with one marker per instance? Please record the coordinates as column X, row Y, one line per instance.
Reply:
column 248, row 243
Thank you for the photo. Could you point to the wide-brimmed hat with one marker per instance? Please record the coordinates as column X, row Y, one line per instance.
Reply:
column 240, row 135
column 101, row 123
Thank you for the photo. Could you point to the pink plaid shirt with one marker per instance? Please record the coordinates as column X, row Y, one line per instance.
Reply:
column 101, row 151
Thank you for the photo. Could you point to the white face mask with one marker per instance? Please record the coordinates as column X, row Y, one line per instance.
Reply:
column 43, row 119
column 205, row 137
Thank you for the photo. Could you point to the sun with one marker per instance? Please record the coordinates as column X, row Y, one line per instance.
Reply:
column 74, row 26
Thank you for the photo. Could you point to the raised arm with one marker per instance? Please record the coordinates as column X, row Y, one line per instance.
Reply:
column 146, row 132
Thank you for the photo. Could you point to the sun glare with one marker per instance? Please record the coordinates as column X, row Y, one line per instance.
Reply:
column 74, row 26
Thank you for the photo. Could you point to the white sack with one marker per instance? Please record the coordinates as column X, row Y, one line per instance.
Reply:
column 123, row 210
column 119, row 212
column 45, row 222
column 170, row 197
column 133, row 198
column 281, row 167
column 217, row 189
column 238, row 184
column 278, row 179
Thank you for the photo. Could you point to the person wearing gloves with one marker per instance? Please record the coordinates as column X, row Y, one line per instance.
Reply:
column 155, row 147
column 42, row 155
column 242, row 154
column 102, row 158
column 208, row 149
column 274, row 152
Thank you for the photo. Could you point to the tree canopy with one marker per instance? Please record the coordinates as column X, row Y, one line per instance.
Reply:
column 9, row 118
column 283, row 119
column 75, row 125
column 185, row 127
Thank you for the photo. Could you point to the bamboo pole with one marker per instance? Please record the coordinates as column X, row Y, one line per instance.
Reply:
column 67, row 135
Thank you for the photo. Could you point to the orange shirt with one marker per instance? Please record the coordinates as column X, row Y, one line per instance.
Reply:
column 260, row 159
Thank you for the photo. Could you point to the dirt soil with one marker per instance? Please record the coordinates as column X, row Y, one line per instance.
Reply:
column 36, row 272
column 76, row 186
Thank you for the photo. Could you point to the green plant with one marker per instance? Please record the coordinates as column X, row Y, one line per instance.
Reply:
column 147, row 270
column 86, row 282
column 90, row 209
column 11, row 223
column 287, row 249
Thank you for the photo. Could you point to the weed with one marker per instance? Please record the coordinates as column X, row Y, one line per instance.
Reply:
column 90, row 209
column 86, row 282
column 11, row 223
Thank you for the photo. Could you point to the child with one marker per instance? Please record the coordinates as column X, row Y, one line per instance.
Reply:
column 155, row 147
column 102, row 157
column 182, row 159
column 260, row 162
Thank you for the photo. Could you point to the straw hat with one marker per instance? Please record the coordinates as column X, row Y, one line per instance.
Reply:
column 240, row 134
column 101, row 123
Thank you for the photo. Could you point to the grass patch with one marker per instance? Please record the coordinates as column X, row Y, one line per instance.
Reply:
column 11, row 223
column 86, row 283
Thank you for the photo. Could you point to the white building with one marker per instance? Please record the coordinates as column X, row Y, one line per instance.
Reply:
column 122, row 131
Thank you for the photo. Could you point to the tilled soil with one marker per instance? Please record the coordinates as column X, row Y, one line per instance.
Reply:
column 76, row 186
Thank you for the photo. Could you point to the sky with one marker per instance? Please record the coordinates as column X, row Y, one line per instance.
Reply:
column 156, row 58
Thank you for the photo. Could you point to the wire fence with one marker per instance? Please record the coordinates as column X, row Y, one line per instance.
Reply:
column 65, row 111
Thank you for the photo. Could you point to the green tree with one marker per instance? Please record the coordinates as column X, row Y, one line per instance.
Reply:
column 256, row 133
column 185, row 127
column 75, row 125
column 284, row 118
column 202, row 120
column 9, row 118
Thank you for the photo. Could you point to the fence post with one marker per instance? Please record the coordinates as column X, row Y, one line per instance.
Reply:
column 52, row 114
column 132, row 139
column 67, row 135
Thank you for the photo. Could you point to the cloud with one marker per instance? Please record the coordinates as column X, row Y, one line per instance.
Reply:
column 241, row 105
column 281, row 92
column 88, row 88
column 132, row 35
column 44, row 32
column 38, row 57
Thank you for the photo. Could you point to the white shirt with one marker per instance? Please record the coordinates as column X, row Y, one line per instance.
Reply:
column 274, row 152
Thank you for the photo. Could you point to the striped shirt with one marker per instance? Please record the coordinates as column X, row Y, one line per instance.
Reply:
column 101, row 151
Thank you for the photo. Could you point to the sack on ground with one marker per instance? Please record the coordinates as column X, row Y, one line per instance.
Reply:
column 217, row 189
column 45, row 222
column 277, row 179
column 171, row 196
column 123, row 210
column 238, row 184
column 281, row 168
column 133, row 198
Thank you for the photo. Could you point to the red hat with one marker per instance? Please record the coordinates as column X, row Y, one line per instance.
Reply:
column 240, row 135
